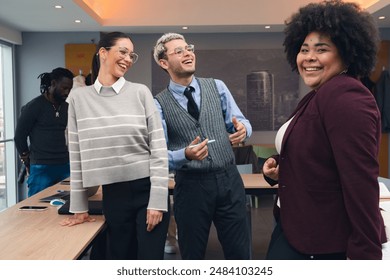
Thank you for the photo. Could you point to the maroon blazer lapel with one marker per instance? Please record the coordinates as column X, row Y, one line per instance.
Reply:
column 297, row 112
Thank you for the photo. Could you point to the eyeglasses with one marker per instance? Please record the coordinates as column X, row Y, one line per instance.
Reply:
column 123, row 53
column 180, row 50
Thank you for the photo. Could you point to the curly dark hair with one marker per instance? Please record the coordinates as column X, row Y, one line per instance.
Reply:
column 349, row 27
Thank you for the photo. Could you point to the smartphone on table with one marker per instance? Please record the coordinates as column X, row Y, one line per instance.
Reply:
column 33, row 208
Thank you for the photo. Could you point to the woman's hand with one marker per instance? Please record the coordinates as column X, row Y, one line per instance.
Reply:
column 76, row 219
column 153, row 218
column 271, row 169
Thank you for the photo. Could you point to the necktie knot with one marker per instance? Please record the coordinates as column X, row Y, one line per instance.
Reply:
column 188, row 92
column 192, row 108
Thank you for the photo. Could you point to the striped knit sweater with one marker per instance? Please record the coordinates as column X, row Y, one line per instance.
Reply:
column 116, row 138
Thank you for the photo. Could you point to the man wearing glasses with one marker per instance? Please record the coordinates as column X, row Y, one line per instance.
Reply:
column 201, row 121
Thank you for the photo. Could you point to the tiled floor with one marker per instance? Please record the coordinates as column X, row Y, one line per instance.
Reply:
column 262, row 225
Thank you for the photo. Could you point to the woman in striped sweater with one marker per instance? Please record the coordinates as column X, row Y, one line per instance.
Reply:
column 116, row 140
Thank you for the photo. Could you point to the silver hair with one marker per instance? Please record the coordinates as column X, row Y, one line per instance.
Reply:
column 159, row 48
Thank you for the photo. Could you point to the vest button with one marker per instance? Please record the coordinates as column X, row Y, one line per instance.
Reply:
column 197, row 124
column 209, row 158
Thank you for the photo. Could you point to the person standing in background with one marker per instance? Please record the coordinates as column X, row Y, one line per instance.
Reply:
column 327, row 168
column 208, row 186
column 116, row 140
column 40, row 132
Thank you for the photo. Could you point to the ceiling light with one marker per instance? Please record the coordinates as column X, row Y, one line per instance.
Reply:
column 58, row 6
column 382, row 17
column 77, row 21
column 267, row 27
column 184, row 27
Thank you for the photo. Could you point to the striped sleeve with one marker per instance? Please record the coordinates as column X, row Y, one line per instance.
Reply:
column 78, row 195
column 158, row 157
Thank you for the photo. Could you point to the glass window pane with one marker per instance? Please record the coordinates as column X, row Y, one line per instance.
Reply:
column 7, row 148
column 3, row 200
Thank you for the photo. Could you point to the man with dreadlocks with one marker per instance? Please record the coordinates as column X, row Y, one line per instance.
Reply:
column 40, row 132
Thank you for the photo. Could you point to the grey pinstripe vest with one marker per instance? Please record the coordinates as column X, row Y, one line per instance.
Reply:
column 182, row 128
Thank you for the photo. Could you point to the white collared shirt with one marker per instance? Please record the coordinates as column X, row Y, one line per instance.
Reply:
column 117, row 86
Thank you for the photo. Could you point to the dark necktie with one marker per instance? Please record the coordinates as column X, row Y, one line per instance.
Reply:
column 191, row 105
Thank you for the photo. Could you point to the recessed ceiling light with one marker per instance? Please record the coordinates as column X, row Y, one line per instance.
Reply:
column 267, row 27
column 77, row 21
column 184, row 27
column 382, row 17
column 58, row 6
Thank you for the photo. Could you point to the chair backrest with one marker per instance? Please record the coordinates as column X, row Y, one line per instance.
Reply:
column 246, row 155
column 264, row 151
column 244, row 168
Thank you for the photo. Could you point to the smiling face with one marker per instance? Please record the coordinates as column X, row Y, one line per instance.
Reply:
column 318, row 60
column 115, row 61
column 179, row 62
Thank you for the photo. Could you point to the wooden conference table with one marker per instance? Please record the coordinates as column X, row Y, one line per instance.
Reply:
column 37, row 235
column 254, row 184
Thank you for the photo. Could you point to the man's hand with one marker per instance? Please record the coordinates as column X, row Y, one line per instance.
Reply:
column 25, row 158
column 197, row 150
column 240, row 134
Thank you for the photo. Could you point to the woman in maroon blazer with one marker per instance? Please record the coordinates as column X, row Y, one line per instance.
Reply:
column 327, row 168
